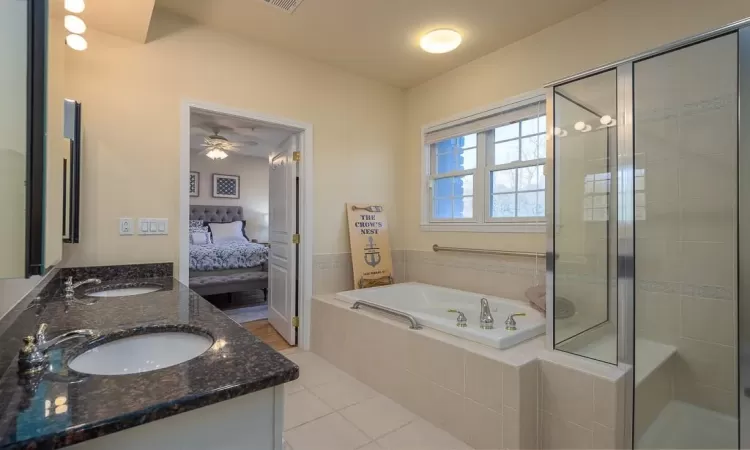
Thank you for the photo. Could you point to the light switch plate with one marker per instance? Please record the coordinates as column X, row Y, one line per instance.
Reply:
column 150, row 227
column 126, row 226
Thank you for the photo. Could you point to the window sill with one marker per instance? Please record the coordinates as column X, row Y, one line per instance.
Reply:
column 539, row 227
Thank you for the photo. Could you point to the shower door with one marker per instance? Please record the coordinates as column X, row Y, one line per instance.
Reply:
column 685, row 138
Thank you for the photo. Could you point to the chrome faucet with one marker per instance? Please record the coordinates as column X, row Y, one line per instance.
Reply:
column 70, row 287
column 510, row 322
column 461, row 319
column 486, row 321
column 33, row 354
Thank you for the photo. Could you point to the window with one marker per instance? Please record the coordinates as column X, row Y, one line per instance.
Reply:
column 489, row 170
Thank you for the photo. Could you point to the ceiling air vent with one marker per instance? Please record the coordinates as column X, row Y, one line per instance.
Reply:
column 287, row 5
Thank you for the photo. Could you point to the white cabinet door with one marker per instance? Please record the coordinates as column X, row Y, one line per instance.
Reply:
column 282, row 259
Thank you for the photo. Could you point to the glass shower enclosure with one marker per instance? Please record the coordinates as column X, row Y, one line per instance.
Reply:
column 649, row 237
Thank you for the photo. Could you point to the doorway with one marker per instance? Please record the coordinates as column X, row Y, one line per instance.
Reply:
column 243, row 218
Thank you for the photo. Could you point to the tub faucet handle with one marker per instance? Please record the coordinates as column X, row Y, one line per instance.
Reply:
column 461, row 319
column 510, row 322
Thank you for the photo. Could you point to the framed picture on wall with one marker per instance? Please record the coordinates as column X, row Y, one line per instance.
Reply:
column 226, row 186
column 195, row 184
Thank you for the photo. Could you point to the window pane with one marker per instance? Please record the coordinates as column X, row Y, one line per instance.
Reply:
column 528, row 178
column 533, row 126
column 533, row 147
column 506, row 132
column 543, row 124
column 530, row 204
column 503, row 181
column 467, row 159
column 463, row 185
column 463, row 208
column 504, row 205
column 443, row 187
column 441, row 208
column 446, row 162
column 468, row 141
column 506, row 152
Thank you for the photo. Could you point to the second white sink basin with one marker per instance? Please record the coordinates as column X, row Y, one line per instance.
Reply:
column 141, row 353
column 124, row 292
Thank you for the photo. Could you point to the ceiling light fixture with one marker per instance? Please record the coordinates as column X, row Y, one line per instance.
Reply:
column 440, row 41
column 606, row 120
column 75, row 6
column 75, row 24
column 217, row 154
column 580, row 126
column 76, row 42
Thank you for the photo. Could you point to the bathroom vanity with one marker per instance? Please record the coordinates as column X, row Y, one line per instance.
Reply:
column 163, row 369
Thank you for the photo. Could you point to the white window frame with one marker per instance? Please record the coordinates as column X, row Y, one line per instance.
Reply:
column 482, row 222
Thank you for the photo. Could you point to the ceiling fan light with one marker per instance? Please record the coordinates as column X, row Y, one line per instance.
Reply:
column 216, row 154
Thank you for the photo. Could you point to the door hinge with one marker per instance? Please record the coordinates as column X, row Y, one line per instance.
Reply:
column 296, row 156
column 295, row 239
column 295, row 321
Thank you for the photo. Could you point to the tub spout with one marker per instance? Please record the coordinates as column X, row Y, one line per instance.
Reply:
column 486, row 321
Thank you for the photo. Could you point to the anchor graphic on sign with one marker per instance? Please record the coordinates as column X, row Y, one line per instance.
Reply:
column 372, row 255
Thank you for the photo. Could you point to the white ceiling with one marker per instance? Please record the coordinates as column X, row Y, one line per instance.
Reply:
column 380, row 38
column 254, row 138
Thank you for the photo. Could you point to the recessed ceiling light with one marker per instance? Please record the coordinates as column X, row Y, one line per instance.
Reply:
column 76, row 42
column 75, row 6
column 440, row 41
column 75, row 24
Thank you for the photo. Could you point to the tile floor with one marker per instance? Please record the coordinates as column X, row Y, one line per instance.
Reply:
column 327, row 409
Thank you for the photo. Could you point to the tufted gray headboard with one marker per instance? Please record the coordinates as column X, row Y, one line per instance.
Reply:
column 222, row 214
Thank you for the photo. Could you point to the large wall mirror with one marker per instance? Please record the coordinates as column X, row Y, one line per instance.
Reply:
column 31, row 139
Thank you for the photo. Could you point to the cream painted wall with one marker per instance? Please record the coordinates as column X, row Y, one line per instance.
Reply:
column 613, row 30
column 253, row 173
column 131, row 95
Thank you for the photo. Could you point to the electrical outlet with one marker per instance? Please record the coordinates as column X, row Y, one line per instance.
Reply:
column 126, row 226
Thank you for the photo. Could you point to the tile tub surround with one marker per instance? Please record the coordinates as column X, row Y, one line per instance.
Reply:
column 332, row 272
column 100, row 405
column 500, row 276
column 488, row 398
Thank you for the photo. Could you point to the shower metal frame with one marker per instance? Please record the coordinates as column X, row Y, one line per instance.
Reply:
column 624, row 154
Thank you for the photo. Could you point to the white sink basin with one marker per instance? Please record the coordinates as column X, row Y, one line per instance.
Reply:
column 124, row 292
column 141, row 353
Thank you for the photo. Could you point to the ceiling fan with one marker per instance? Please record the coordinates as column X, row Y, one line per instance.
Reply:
column 217, row 146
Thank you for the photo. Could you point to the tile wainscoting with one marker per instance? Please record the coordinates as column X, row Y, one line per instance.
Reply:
column 523, row 397
column 332, row 272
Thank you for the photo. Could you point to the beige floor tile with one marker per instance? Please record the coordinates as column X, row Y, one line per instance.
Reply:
column 378, row 416
column 303, row 407
column 371, row 446
column 344, row 392
column 305, row 358
column 313, row 374
column 331, row 432
column 420, row 435
column 293, row 387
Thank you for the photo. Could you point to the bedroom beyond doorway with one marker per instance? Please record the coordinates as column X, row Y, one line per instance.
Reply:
column 243, row 223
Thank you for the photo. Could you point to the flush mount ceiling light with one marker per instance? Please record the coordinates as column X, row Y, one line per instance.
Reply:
column 440, row 41
column 76, row 42
column 75, row 24
column 75, row 6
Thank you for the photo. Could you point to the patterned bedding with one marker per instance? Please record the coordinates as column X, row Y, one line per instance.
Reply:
column 229, row 255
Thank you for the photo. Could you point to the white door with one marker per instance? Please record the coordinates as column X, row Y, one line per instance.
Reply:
column 282, row 259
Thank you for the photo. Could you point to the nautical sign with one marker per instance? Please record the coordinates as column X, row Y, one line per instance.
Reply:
column 370, row 245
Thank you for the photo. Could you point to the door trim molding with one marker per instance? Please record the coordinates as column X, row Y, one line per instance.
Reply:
column 305, row 212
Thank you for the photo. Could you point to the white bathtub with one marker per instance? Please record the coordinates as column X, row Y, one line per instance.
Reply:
column 430, row 304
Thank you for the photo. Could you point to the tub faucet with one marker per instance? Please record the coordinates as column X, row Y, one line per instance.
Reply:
column 33, row 354
column 486, row 321
column 70, row 287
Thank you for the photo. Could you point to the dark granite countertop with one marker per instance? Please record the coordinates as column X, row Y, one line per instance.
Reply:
column 67, row 407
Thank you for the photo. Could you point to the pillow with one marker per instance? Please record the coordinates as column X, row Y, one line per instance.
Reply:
column 227, row 232
column 195, row 224
column 200, row 238
column 199, row 230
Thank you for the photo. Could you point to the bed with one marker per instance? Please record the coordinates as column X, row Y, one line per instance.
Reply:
column 226, row 267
